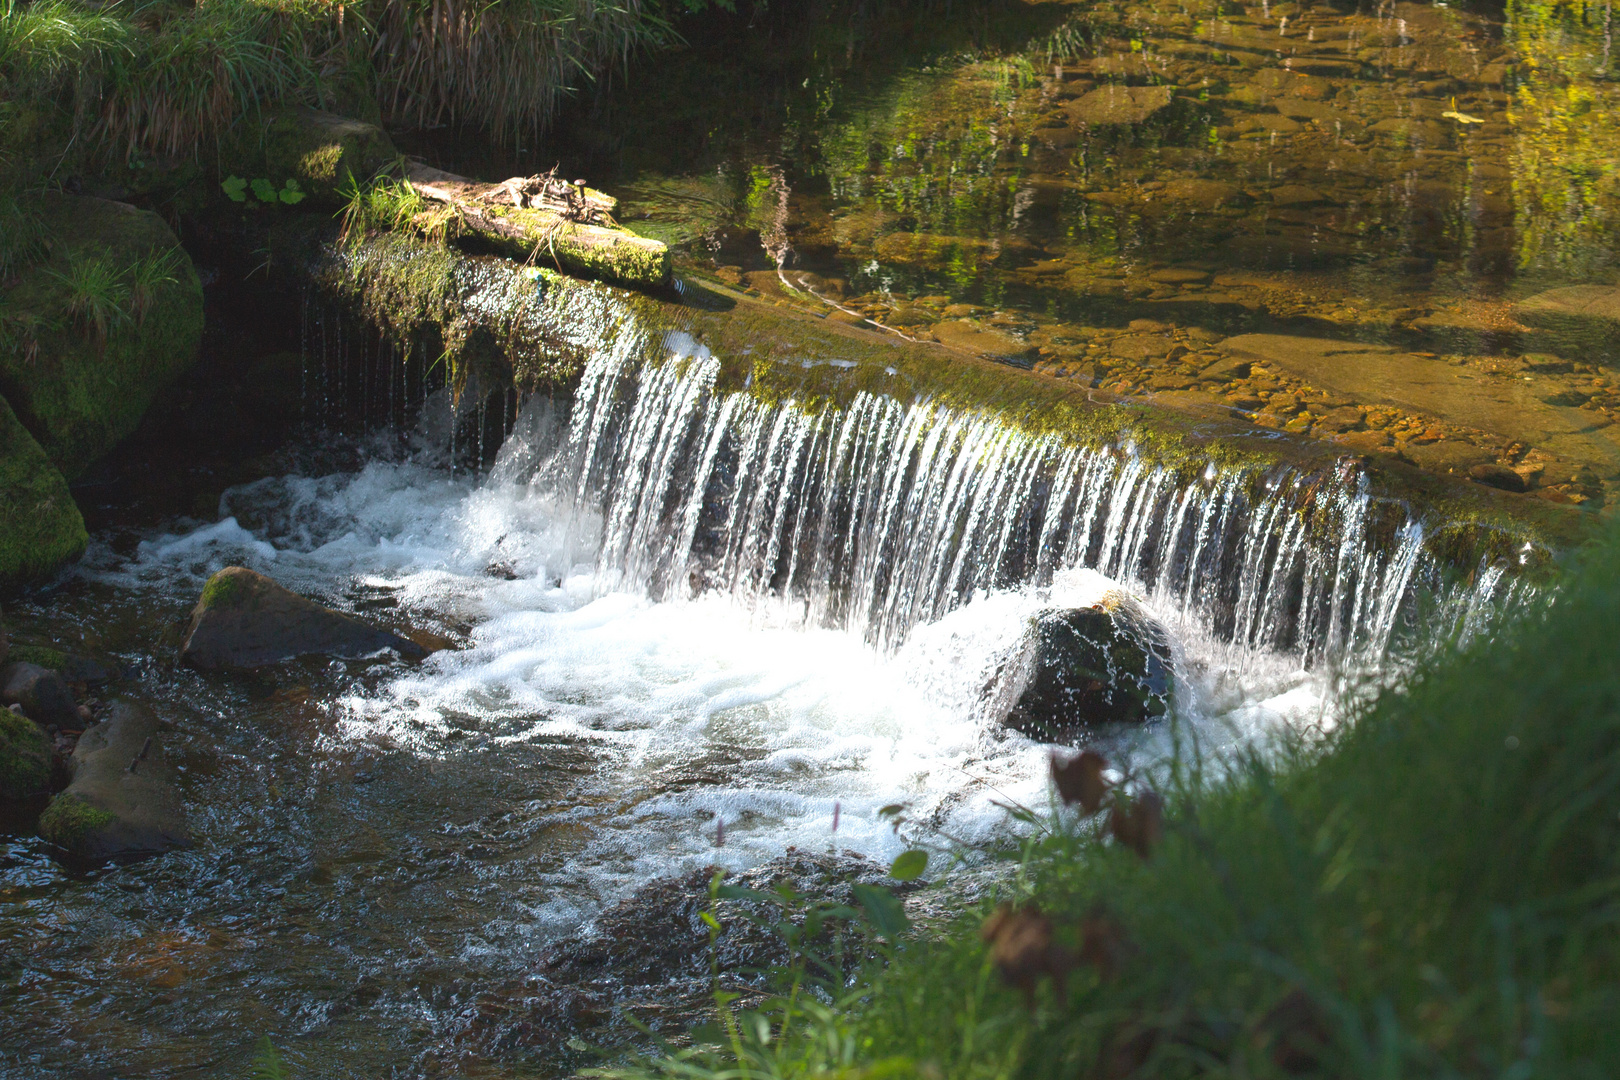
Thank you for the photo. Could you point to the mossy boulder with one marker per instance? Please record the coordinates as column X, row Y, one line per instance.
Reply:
column 25, row 757
column 79, row 389
column 122, row 801
column 1109, row 663
column 324, row 152
column 40, row 527
column 246, row 620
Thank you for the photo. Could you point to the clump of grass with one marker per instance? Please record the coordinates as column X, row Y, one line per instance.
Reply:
column 22, row 236
column 167, row 77
column 148, row 276
column 98, row 296
column 20, row 331
column 1432, row 891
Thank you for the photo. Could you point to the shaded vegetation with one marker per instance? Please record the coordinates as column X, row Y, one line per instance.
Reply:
column 1433, row 889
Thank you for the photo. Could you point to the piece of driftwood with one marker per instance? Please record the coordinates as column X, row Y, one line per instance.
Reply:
column 549, row 221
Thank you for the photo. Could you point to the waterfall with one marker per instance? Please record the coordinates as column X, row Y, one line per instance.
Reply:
column 879, row 515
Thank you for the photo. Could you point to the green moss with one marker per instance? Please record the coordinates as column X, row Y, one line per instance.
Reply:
column 40, row 527
column 323, row 152
column 78, row 396
column 537, row 321
column 25, row 757
column 223, row 590
column 68, row 820
column 45, row 657
column 612, row 254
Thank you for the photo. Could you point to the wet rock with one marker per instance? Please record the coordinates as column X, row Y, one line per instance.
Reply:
column 1371, row 374
column 25, row 757
column 42, row 693
column 1581, row 320
column 121, row 802
column 1297, row 195
column 1142, row 346
column 1447, row 456
column 1178, row 275
column 1205, row 194
column 1498, row 476
column 1363, row 442
column 246, row 620
column 1115, row 104
column 1084, row 667
column 975, row 337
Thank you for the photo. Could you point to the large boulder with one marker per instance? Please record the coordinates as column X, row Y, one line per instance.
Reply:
column 122, row 801
column 40, row 526
column 1080, row 668
column 109, row 319
column 25, row 757
column 43, row 694
column 246, row 620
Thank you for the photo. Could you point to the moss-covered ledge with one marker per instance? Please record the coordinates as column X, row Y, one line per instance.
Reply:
column 543, row 327
column 112, row 316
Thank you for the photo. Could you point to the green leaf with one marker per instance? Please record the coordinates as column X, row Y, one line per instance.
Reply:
column 892, row 810
column 883, row 909
column 909, row 865
column 235, row 188
column 265, row 190
column 710, row 921
column 291, row 194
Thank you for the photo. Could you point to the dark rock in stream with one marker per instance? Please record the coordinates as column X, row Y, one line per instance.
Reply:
column 246, row 620
column 42, row 693
column 121, row 802
column 1084, row 667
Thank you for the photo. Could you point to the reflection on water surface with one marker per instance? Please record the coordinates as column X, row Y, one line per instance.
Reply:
column 1114, row 193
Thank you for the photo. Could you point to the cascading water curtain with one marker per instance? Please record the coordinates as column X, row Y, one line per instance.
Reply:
column 881, row 515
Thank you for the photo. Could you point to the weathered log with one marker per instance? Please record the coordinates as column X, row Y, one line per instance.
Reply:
column 545, row 230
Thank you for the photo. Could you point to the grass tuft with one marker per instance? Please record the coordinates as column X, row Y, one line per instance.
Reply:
column 98, row 296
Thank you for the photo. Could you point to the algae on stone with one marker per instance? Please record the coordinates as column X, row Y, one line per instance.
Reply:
column 78, row 394
column 68, row 820
column 25, row 757
column 40, row 526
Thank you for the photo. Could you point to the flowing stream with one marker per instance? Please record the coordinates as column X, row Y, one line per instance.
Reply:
column 696, row 629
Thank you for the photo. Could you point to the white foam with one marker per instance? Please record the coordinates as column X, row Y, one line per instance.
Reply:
column 701, row 711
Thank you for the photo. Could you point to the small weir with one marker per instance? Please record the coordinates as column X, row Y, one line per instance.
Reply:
column 881, row 511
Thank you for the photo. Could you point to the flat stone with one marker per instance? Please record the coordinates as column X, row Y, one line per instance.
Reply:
column 1176, row 275
column 1498, row 476
column 1362, row 442
column 1297, row 195
column 1205, row 194
column 246, row 620
column 121, row 802
column 1587, row 301
column 1115, row 104
column 975, row 337
column 1384, row 375
column 1141, row 347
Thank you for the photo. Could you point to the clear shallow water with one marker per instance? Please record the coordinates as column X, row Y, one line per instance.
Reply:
column 387, row 850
